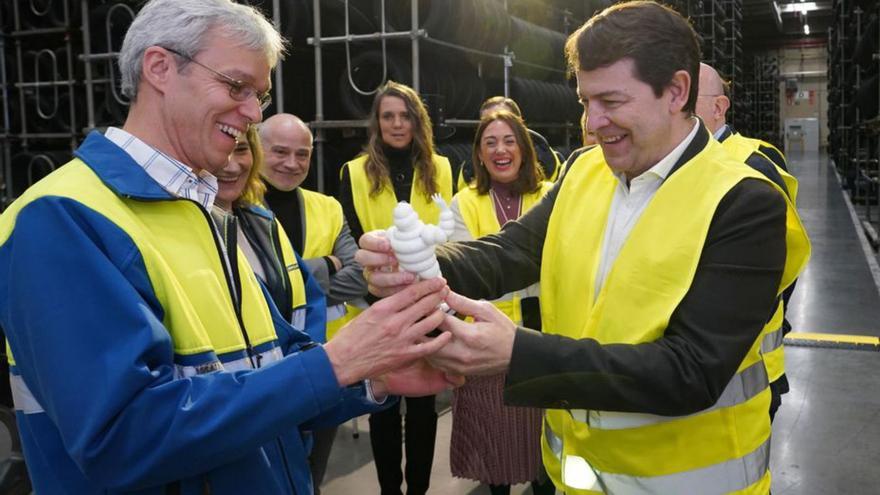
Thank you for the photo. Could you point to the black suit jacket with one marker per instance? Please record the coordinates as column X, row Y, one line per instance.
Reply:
column 732, row 296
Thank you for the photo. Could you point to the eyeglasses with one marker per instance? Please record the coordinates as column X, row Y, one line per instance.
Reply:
column 709, row 96
column 238, row 90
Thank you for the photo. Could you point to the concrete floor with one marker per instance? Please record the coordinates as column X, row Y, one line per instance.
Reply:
column 827, row 432
column 836, row 293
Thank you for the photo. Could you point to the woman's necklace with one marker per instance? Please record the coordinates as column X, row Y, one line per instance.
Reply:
column 507, row 208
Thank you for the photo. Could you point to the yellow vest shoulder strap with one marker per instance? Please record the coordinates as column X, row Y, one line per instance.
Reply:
column 323, row 218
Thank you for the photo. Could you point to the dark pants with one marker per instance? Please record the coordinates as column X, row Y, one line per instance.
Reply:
column 386, row 436
column 323, row 443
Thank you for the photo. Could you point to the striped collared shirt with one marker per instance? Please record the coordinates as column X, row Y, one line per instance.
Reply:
column 174, row 176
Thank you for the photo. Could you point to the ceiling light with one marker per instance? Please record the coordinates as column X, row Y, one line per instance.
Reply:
column 802, row 7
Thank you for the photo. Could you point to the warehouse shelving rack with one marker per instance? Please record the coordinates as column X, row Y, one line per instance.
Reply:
column 5, row 152
column 764, row 97
column 416, row 36
column 732, row 68
column 866, row 124
column 40, row 101
column 840, row 105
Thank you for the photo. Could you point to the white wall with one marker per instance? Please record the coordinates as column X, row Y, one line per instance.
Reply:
column 809, row 67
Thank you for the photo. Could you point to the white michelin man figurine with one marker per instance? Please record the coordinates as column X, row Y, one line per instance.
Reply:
column 413, row 241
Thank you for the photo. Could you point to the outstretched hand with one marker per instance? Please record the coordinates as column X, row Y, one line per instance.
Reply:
column 380, row 265
column 483, row 347
column 390, row 334
column 416, row 380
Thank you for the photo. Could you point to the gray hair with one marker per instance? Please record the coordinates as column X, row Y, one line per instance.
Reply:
column 181, row 25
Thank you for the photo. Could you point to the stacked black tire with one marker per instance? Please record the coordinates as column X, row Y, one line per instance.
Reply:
column 853, row 89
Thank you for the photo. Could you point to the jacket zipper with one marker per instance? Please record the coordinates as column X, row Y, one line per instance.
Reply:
column 233, row 282
column 288, row 290
column 279, row 261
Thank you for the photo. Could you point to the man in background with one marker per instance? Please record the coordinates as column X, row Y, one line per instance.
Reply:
column 712, row 105
column 317, row 230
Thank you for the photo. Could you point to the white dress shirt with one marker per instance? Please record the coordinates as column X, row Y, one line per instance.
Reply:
column 175, row 177
column 629, row 203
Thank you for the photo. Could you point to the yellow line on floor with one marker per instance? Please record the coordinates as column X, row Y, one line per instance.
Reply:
column 834, row 337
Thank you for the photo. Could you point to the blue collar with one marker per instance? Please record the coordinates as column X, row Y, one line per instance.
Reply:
column 118, row 170
column 259, row 210
column 724, row 132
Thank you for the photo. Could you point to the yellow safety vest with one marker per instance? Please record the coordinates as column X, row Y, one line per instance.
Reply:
column 726, row 445
column 478, row 212
column 741, row 148
column 377, row 212
column 297, row 284
column 323, row 216
column 324, row 219
column 186, row 272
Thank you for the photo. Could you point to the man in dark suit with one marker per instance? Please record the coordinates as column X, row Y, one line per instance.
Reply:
column 660, row 260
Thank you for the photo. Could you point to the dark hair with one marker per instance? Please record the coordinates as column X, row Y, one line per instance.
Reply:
column 377, row 167
column 501, row 101
column 530, row 173
column 658, row 40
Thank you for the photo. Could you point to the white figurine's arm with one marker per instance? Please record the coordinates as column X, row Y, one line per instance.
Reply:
column 433, row 235
column 447, row 219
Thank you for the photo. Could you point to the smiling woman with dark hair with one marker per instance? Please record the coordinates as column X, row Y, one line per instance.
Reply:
column 493, row 443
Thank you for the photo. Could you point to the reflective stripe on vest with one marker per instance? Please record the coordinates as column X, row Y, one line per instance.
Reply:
column 771, row 344
column 336, row 312
column 26, row 403
column 239, row 364
column 744, row 386
column 648, row 280
column 22, row 397
column 726, row 477
column 375, row 212
column 337, row 316
column 717, row 479
column 772, row 341
column 265, row 358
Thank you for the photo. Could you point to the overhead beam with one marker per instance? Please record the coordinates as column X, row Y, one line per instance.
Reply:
column 777, row 14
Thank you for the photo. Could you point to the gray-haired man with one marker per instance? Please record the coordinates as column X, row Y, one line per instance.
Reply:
column 146, row 357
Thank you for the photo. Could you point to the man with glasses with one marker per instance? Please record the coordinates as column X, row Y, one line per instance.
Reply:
column 144, row 355
column 712, row 105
